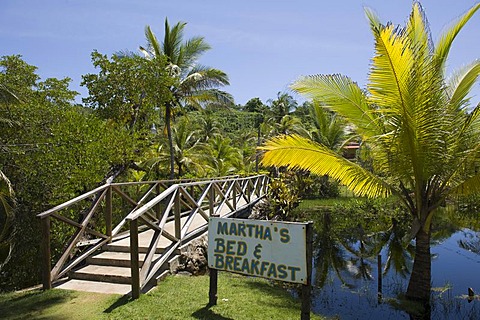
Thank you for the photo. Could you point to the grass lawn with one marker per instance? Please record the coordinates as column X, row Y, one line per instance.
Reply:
column 312, row 204
column 177, row 297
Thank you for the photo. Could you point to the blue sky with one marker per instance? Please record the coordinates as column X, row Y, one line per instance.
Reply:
column 262, row 45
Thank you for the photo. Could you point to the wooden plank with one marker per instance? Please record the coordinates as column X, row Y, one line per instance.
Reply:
column 108, row 212
column 221, row 194
column 82, row 257
column 212, row 291
column 149, row 256
column 307, row 288
column 211, row 199
column 76, row 237
column 158, row 207
column 165, row 256
column 46, row 264
column 71, row 202
column 197, row 205
column 149, row 205
column 78, row 225
column 150, row 224
column 177, row 212
column 134, row 263
column 234, row 192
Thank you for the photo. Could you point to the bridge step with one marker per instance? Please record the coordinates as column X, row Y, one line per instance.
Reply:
column 115, row 258
column 98, row 273
column 95, row 286
column 114, row 247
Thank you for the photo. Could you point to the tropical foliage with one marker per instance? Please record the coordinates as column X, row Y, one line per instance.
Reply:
column 423, row 135
column 195, row 85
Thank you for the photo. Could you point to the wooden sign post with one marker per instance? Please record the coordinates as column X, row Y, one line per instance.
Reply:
column 307, row 287
column 270, row 249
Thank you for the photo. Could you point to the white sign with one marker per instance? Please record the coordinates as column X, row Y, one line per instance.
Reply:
column 269, row 249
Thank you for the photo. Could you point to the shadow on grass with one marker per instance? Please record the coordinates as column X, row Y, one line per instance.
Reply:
column 120, row 302
column 206, row 313
column 31, row 305
column 285, row 299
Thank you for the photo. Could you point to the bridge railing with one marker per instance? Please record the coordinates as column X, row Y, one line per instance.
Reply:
column 84, row 224
column 190, row 205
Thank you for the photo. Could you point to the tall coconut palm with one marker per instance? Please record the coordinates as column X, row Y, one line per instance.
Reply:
column 196, row 85
column 425, row 143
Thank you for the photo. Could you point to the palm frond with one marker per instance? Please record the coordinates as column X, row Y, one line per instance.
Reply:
column 468, row 186
column 211, row 77
column 344, row 97
column 154, row 45
column 374, row 20
column 192, row 49
column 446, row 39
column 460, row 84
column 418, row 32
column 201, row 98
column 172, row 41
column 296, row 152
column 390, row 71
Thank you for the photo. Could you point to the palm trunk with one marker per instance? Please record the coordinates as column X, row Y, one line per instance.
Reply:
column 168, row 117
column 419, row 286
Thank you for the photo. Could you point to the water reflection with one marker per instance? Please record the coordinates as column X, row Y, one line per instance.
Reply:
column 356, row 258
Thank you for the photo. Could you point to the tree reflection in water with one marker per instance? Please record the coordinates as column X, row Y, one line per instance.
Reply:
column 347, row 246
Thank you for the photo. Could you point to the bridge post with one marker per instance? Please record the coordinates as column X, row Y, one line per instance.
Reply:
column 158, row 208
column 234, row 191
column 108, row 213
column 177, row 212
column 134, row 263
column 213, row 281
column 211, row 199
column 46, row 269
column 307, row 288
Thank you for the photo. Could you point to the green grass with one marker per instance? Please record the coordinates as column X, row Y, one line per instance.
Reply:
column 177, row 297
column 309, row 204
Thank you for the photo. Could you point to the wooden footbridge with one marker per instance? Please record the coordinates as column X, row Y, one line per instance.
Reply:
column 120, row 237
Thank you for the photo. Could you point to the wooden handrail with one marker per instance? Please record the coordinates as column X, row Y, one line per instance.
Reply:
column 72, row 201
column 181, row 201
column 149, row 205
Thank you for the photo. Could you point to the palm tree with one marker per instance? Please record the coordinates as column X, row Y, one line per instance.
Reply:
column 195, row 85
column 329, row 130
column 289, row 125
column 186, row 146
column 208, row 127
column 424, row 142
column 221, row 157
column 283, row 105
column 186, row 150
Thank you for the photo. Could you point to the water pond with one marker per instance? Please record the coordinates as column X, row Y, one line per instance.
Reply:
column 362, row 264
